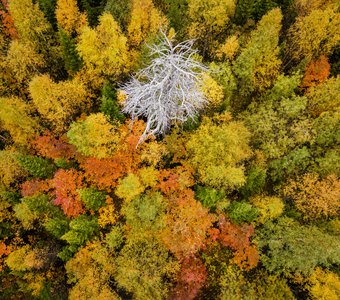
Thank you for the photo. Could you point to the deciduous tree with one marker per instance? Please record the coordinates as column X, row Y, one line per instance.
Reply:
column 323, row 284
column 190, row 279
column 104, row 49
column 24, row 62
column 316, row 72
column 36, row 166
column 15, row 117
column 58, row 103
column 10, row 169
column 54, row 148
column 129, row 187
column 324, row 97
column 314, row 34
column 208, row 20
column 258, row 64
column 187, row 224
column 95, row 136
column 237, row 237
column 35, row 32
column 69, row 17
column 7, row 20
column 270, row 207
column 315, row 197
column 141, row 268
column 90, row 271
column 287, row 242
column 217, row 150
column 66, row 184
column 145, row 21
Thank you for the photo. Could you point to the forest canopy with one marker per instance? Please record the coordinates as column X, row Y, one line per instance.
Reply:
column 169, row 149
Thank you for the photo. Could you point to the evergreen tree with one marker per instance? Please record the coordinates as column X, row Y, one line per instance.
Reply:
column 72, row 60
column 48, row 7
column 109, row 103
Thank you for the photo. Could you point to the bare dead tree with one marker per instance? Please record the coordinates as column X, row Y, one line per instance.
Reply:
column 168, row 90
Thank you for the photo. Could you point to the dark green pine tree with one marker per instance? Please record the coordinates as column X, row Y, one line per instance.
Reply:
column 93, row 9
column 256, row 9
column 244, row 10
column 37, row 166
column 71, row 57
column 261, row 7
column 109, row 105
column 120, row 10
column 177, row 15
column 48, row 7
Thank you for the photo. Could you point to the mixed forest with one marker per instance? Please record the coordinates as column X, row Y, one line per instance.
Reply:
column 169, row 149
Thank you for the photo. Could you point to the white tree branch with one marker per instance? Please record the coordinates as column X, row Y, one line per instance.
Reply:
column 167, row 91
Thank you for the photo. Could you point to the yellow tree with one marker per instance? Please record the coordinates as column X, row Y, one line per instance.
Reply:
column 36, row 32
column 229, row 48
column 23, row 62
column 94, row 136
column 314, row 34
column 29, row 263
column 304, row 7
column 29, row 21
column 10, row 170
column 145, row 20
column 316, row 197
column 217, row 151
column 58, row 102
column 90, row 271
column 16, row 119
column 144, row 268
column 270, row 207
column 69, row 17
column 323, row 284
column 208, row 19
column 129, row 187
column 258, row 64
column 212, row 91
column 104, row 50
column 324, row 97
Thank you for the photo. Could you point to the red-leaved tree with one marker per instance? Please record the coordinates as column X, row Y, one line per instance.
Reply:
column 187, row 224
column 54, row 148
column 190, row 279
column 35, row 187
column 237, row 237
column 66, row 183
column 316, row 72
column 7, row 21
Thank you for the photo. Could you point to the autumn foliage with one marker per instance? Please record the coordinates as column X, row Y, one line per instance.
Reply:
column 316, row 197
column 187, row 224
column 316, row 72
column 7, row 21
column 237, row 237
column 55, row 148
column 191, row 279
column 66, row 183
column 169, row 149
column 35, row 187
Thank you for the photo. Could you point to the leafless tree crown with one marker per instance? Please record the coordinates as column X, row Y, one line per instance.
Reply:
column 168, row 90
